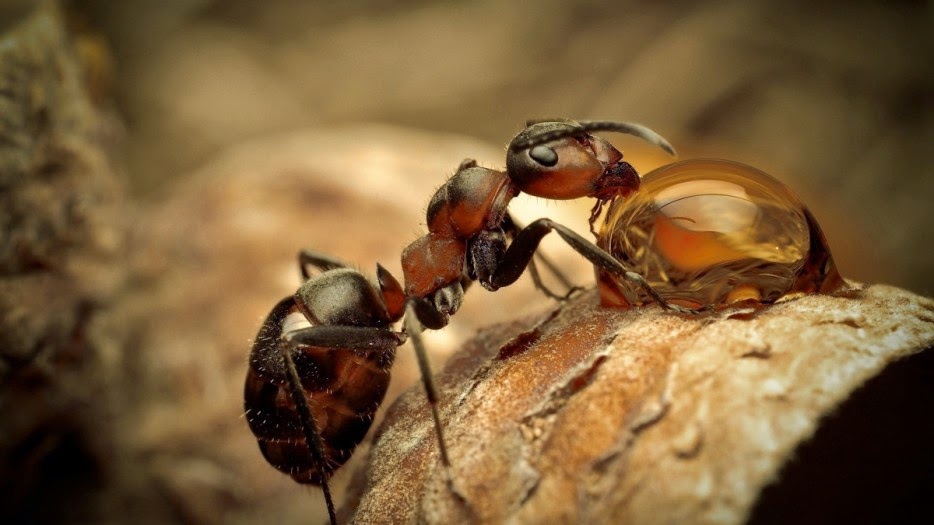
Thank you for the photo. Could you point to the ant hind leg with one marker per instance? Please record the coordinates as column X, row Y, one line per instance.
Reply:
column 328, row 336
column 309, row 427
column 321, row 261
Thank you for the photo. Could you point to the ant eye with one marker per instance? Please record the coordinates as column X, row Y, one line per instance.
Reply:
column 544, row 155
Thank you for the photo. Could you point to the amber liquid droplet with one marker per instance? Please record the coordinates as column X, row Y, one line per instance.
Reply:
column 711, row 232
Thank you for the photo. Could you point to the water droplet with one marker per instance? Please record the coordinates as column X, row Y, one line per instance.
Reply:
column 712, row 232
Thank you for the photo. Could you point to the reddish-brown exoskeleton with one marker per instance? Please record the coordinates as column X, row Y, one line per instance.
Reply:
column 311, row 392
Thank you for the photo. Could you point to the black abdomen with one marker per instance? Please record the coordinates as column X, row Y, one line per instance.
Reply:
column 344, row 387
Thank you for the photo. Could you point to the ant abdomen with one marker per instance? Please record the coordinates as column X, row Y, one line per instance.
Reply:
column 343, row 388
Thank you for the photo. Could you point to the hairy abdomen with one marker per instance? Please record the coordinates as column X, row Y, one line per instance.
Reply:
column 343, row 387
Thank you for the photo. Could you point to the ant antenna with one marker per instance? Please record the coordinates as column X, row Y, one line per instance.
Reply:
column 587, row 126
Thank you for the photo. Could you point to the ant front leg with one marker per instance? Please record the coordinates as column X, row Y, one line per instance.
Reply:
column 419, row 315
column 520, row 252
column 512, row 227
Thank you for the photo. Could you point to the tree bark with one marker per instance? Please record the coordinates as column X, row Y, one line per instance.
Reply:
column 591, row 415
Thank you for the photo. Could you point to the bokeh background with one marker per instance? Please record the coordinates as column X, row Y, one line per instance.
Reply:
column 834, row 98
column 251, row 129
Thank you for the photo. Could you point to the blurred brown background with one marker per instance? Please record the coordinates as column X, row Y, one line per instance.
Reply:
column 835, row 98
column 252, row 129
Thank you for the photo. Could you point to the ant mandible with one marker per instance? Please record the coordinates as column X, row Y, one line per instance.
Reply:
column 311, row 392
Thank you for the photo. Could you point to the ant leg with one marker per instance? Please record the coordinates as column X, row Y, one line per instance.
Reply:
column 512, row 228
column 421, row 314
column 318, row 260
column 364, row 338
column 555, row 271
column 418, row 315
column 486, row 252
column 520, row 252
column 272, row 356
column 309, row 427
column 540, row 285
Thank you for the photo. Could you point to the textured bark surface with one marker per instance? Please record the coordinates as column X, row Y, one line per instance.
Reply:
column 593, row 415
column 60, row 243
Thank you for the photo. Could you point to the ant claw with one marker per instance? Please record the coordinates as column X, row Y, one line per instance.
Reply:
column 684, row 309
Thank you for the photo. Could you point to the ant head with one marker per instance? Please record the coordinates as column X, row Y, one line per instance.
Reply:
column 560, row 159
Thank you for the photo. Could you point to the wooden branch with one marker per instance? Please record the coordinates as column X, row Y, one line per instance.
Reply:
column 591, row 415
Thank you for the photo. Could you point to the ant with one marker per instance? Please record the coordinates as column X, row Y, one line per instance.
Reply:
column 311, row 392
